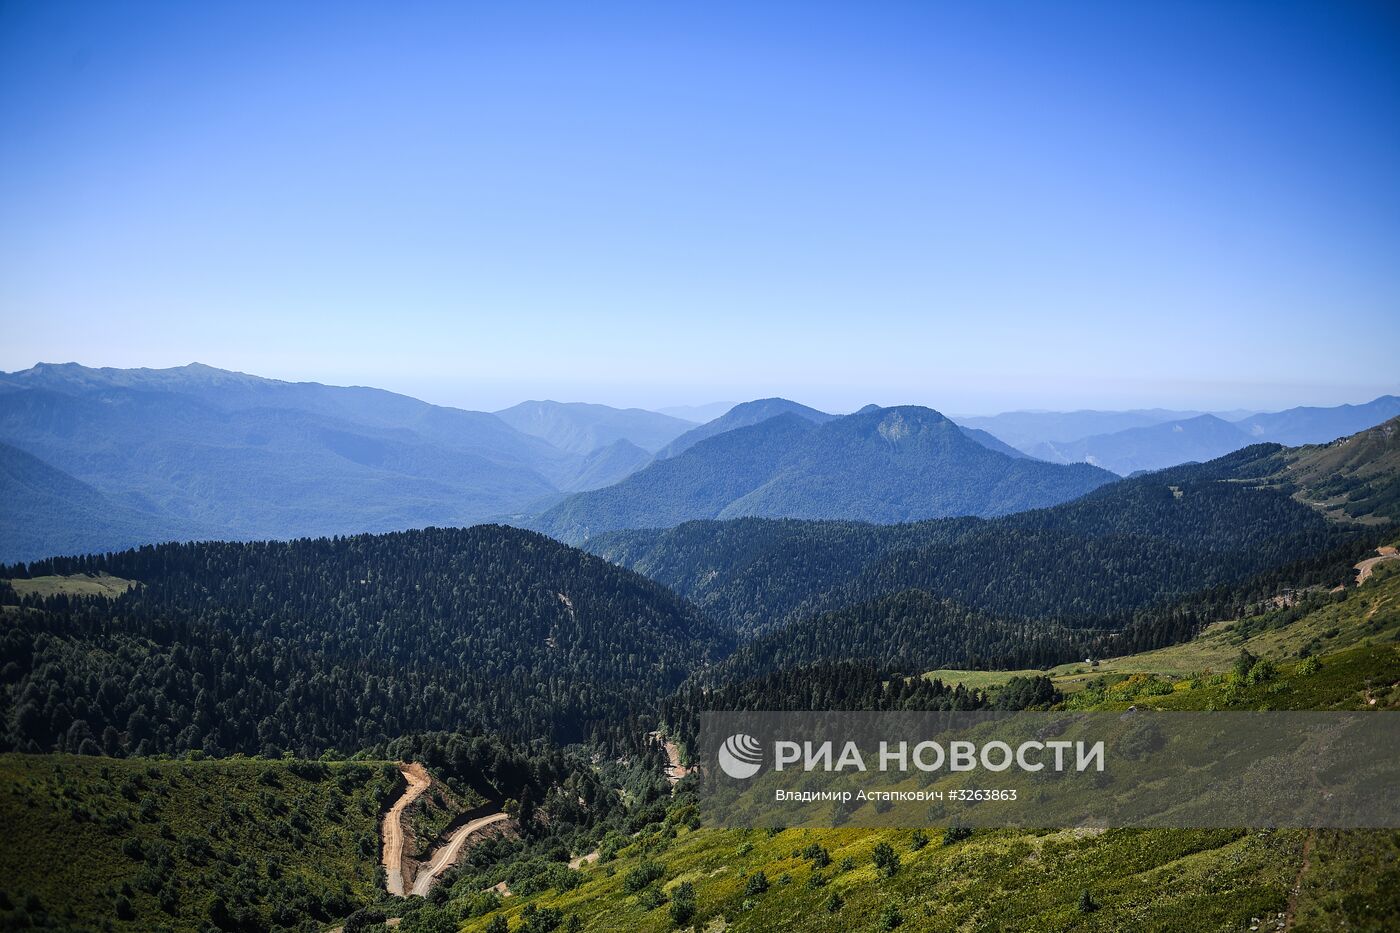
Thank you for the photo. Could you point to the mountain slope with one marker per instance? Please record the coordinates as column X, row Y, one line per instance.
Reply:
column 1354, row 478
column 1097, row 562
column 470, row 431
column 215, row 454
column 880, row 465
column 608, row 465
column 253, row 473
column 699, row 483
column 1310, row 425
column 48, row 512
column 582, row 428
column 1024, row 429
column 742, row 416
column 991, row 442
column 1203, row 437
column 487, row 627
column 903, row 464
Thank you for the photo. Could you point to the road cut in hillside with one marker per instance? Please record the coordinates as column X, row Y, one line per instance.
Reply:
column 418, row 781
column 446, row 855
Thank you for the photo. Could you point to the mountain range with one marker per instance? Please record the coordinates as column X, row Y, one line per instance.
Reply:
column 123, row 456
column 99, row 459
column 882, row 465
column 1150, row 439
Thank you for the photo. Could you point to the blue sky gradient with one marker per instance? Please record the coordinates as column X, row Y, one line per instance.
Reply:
column 976, row 206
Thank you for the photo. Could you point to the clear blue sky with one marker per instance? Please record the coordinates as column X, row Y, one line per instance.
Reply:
column 977, row 207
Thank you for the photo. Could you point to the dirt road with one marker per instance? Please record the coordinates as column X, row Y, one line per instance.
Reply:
column 418, row 781
column 446, row 855
column 1367, row 566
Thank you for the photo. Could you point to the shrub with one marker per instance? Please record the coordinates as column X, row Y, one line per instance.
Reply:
column 918, row 840
column 886, row 860
column 497, row 924
column 683, row 903
column 835, row 902
column 890, row 917
column 955, row 834
column 758, row 883
column 644, row 874
column 539, row 919
column 1087, row 904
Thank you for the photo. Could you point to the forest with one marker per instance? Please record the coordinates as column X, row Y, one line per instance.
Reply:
column 341, row 644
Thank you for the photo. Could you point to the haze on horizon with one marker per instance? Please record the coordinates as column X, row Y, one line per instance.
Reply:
column 978, row 208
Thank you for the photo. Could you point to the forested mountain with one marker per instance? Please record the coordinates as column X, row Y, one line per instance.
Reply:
column 197, row 452
column 46, row 511
column 903, row 464
column 608, row 465
column 1356, row 477
column 883, row 465
column 1311, row 425
column 701, row 482
column 582, row 428
column 1101, row 562
column 342, row 643
column 1201, row 438
column 742, row 416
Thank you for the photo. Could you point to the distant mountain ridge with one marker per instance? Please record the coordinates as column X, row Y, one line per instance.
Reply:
column 1151, row 439
column 199, row 452
column 741, row 416
column 1153, row 447
column 582, row 428
column 880, row 465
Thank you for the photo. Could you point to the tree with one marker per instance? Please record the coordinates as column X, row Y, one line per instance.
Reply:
column 683, row 903
column 886, row 859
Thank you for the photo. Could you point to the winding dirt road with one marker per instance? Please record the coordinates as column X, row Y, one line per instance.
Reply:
column 446, row 855
column 1368, row 566
column 418, row 781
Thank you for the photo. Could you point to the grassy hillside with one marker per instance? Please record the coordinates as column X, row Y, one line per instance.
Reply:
column 145, row 845
column 1049, row 880
column 1306, row 625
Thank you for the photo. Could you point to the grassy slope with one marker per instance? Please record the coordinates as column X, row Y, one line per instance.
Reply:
column 1142, row 879
column 1369, row 613
column 280, row 831
column 78, row 584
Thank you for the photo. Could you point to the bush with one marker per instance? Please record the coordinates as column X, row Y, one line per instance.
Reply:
column 886, row 860
column 890, row 917
column 758, row 883
column 955, row 834
column 835, row 902
column 1087, row 904
column 683, row 903
column 918, row 840
column 643, row 875
column 539, row 919
column 497, row 924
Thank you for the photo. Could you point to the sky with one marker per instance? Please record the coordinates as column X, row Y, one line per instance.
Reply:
column 975, row 206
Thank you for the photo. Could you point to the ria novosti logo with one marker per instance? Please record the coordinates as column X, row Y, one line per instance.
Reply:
column 740, row 756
